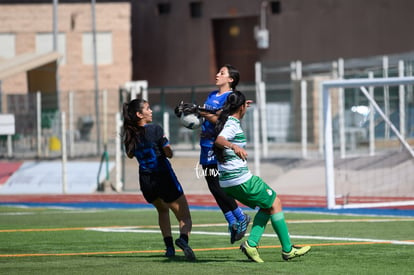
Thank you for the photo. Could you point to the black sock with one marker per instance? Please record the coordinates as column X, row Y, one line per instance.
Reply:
column 184, row 237
column 168, row 241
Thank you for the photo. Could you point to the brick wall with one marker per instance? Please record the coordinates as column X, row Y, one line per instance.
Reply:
column 74, row 19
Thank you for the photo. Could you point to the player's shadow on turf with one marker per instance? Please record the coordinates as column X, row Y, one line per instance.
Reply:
column 207, row 259
column 176, row 258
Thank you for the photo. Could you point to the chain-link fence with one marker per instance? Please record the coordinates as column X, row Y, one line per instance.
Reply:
column 289, row 101
column 39, row 129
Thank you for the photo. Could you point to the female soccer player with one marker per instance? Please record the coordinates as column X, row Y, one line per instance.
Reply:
column 226, row 80
column 158, row 182
column 237, row 181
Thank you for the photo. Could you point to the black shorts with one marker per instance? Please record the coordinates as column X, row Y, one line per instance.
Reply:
column 161, row 184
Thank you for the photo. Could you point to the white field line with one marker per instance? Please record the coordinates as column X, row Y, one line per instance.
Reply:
column 288, row 221
column 349, row 239
column 324, row 238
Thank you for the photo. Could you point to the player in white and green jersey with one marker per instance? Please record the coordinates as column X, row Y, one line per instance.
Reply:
column 234, row 170
column 237, row 181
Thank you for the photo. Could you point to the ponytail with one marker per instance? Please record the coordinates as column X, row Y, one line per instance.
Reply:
column 233, row 103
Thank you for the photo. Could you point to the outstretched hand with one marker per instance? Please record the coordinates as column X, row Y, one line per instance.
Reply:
column 185, row 108
column 240, row 152
column 191, row 108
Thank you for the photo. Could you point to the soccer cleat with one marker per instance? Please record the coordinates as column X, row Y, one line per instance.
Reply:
column 251, row 252
column 188, row 252
column 170, row 251
column 242, row 228
column 233, row 232
column 296, row 251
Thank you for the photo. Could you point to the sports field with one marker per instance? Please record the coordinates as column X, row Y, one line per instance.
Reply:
column 40, row 240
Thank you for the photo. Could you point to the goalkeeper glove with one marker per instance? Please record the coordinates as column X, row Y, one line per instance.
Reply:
column 185, row 108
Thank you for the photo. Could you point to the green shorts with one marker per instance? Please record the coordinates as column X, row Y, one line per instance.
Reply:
column 253, row 193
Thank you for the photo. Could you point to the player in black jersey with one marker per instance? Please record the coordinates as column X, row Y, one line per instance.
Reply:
column 158, row 182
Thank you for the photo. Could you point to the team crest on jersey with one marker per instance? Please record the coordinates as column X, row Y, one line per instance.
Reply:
column 269, row 191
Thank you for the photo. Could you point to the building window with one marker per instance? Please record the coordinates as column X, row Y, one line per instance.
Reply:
column 7, row 45
column 163, row 8
column 44, row 44
column 103, row 48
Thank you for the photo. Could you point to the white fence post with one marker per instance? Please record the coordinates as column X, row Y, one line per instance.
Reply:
column 105, row 117
column 304, row 119
column 256, row 142
column 39, row 123
column 261, row 105
column 64, row 155
column 341, row 111
column 71, row 128
column 371, row 119
column 385, row 66
column 263, row 117
column 9, row 146
column 401, row 93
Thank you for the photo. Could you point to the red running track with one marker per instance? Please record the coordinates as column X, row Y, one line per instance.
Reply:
column 193, row 199
column 196, row 200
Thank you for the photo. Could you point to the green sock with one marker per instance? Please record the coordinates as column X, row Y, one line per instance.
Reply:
column 259, row 225
column 281, row 229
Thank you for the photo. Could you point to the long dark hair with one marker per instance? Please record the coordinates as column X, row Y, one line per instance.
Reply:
column 233, row 73
column 132, row 132
column 233, row 102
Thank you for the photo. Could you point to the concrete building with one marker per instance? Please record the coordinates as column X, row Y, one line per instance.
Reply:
column 182, row 42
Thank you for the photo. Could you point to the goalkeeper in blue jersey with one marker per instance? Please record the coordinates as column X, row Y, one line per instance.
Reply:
column 237, row 181
column 227, row 79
